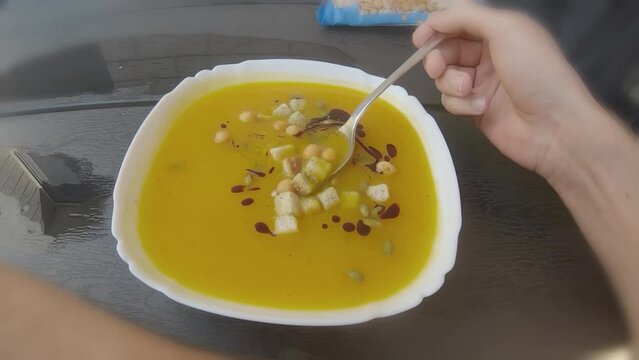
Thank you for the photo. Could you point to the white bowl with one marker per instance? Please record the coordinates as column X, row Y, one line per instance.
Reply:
column 143, row 148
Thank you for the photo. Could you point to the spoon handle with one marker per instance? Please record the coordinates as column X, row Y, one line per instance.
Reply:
column 401, row 70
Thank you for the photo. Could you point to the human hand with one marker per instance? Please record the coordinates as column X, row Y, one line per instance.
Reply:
column 506, row 72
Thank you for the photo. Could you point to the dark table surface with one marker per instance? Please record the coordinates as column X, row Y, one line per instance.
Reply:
column 525, row 285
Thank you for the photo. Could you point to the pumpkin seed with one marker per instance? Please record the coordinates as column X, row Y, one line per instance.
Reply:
column 355, row 275
column 363, row 209
column 248, row 179
column 372, row 222
column 388, row 248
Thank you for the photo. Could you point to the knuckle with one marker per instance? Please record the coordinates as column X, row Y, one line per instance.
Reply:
column 441, row 85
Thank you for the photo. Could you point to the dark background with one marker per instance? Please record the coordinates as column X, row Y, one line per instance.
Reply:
column 78, row 77
column 599, row 36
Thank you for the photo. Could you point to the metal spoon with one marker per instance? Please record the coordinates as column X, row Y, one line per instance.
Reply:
column 348, row 129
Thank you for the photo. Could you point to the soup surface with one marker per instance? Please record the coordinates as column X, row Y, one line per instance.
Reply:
column 208, row 218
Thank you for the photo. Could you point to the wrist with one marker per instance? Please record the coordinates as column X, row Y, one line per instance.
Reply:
column 589, row 143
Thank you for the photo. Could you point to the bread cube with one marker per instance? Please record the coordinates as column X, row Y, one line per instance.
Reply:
column 317, row 169
column 303, row 185
column 282, row 110
column 378, row 193
column 286, row 224
column 349, row 199
column 328, row 198
column 297, row 104
column 297, row 118
column 287, row 203
column 279, row 153
column 310, row 205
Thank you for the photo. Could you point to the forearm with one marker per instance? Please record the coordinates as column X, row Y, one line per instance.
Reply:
column 42, row 322
column 597, row 176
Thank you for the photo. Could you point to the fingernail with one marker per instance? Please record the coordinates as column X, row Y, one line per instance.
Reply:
column 478, row 104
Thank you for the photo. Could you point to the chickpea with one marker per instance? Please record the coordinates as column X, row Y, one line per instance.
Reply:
column 279, row 125
column 312, row 150
column 222, row 136
column 247, row 116
column 293, row 130
column 329, row 155
column 284, row 186
column 291, row 166
column 385, row 168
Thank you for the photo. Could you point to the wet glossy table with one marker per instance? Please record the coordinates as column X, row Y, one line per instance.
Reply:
column 526, row 285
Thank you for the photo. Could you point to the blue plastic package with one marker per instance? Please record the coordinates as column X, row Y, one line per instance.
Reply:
column 376, row 12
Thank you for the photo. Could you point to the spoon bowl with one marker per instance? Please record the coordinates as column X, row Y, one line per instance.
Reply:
column 350, row 126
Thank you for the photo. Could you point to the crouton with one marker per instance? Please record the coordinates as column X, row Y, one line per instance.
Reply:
column 317, row 169
column 297, row 104
column 287, row 203
column 280, row 152
column 303, row 185
column 285, row 224
column 378, row 193
column 282, row 111
column 297, row 118
column 328, row 198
